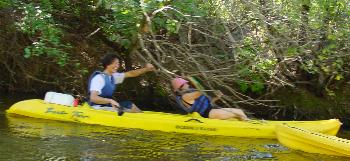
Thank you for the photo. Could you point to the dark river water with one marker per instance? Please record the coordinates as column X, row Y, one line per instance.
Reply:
column 24, row 138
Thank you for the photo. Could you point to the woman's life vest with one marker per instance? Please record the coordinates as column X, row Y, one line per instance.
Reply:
column 200, row 105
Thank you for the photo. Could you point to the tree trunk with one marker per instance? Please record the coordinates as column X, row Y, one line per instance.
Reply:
column 305, row 8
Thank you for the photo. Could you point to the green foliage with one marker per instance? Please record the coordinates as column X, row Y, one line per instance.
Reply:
column 126, row 17
column 192, row 8
column 255, row 66
column 4, row 3
column 251, row 81
column 326, row 35
column 258, row 40
column 160, row 90
column 326, row 17
column 292, row 51
column 39, row 24
column 123, row 23
column 172, row 26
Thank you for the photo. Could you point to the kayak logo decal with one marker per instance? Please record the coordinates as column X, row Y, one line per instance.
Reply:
column 184, row 127
column 194, row 120
column 79, row 114
column 53, row 111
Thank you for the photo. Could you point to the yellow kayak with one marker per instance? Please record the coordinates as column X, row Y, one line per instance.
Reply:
column 312, row 142
column 166, row 122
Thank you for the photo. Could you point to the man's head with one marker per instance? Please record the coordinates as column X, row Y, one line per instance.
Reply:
column 109, row 59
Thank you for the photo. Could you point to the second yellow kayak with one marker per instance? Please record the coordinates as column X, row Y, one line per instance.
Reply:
column 311, row 141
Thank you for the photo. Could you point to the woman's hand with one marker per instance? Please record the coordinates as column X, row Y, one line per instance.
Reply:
column 218, row 93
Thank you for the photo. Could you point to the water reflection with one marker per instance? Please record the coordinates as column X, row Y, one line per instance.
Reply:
column 26, row 138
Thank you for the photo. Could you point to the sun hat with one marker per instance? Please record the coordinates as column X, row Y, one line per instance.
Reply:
column 178, row 82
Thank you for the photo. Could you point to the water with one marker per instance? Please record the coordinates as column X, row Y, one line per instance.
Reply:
column 24, row 138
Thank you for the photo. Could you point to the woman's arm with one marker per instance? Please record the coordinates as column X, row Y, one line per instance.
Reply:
column 191, row 97
column 218, row 94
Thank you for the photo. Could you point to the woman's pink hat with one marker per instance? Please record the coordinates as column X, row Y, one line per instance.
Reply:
column 178, row 82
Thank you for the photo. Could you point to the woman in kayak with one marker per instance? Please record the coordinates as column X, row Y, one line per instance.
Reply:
column 192, row 100
column 102, row 84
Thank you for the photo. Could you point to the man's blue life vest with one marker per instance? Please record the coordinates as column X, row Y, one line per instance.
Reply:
column 200, row 105
column 107, row 90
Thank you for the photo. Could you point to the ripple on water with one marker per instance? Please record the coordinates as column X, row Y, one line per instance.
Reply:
column 35, row 139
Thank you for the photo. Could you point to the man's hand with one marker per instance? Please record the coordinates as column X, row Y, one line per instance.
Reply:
column 114, row 104
column 150, row 67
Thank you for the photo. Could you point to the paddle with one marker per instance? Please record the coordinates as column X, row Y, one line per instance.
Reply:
column 200, row 88
column 85, row 99
column 197, row 85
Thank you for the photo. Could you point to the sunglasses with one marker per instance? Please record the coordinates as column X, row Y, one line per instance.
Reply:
column 182, row 85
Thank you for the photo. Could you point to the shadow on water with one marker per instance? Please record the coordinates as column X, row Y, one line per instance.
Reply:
column 24, row 138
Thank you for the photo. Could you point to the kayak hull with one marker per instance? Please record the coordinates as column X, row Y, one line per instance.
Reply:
column 312, row 142
column 166, row 122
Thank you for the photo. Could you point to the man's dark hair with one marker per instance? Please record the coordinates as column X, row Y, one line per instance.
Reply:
column 108, row 59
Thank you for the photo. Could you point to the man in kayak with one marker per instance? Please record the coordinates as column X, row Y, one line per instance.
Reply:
column 102, row 84
column 192, row 100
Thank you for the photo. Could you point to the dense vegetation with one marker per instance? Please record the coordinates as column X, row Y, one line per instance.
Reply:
column 248, row 49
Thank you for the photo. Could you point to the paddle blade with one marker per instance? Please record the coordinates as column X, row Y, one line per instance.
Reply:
column 195, row 83
column 120, row 112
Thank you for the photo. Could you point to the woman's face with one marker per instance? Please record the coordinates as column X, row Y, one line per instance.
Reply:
column 184, row 86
